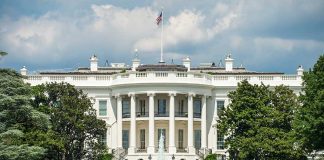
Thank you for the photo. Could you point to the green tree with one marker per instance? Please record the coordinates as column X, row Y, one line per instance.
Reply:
column 257, row 123
column 76, row 130
column 2, row 53
column 18, row 119
column 310, row 117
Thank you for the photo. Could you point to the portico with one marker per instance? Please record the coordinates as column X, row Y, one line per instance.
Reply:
column 180, row 117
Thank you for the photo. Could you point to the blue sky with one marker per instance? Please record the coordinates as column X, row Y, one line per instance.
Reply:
column 262, row 35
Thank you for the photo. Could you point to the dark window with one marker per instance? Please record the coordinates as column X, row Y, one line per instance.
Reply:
column 197, row 108
column 161, row 106
column 125, row 139
column 142, row 138
column 125, row 109
column 197, row 139
column 220, row 107
column 180, row 138
column 102, row 108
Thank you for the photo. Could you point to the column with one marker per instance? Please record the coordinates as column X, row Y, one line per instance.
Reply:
column 132, row 145
column 203, row 122
column 190, row 123
column 119, row 122
column 150, row 148
column 172, row 147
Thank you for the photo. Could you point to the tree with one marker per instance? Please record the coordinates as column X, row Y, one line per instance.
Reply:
column 2, row 53
column 257, row 123
column 18, row 119
column 76, row 130
column 310, row 117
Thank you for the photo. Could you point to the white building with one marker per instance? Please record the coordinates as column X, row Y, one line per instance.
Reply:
column 141, row 102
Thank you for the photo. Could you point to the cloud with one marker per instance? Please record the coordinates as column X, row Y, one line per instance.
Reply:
column 257, row 33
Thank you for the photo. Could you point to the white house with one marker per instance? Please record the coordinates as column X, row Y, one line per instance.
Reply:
column 141, row 102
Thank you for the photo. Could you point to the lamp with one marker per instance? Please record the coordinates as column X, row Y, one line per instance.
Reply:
column 150, row 157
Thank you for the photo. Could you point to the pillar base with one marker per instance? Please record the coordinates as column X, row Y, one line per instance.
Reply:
column 172, row 149
column 191, row 150
column 131, row 150
column 151, row 149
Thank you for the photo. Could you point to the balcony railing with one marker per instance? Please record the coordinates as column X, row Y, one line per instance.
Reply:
column 140, row 150
column 161, row 114
column 182, row 150
column 142, row 114
column 197, row 115
column 181, row 114
column 126, row 115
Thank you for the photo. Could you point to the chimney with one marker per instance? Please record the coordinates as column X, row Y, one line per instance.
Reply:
column 94, row 63
column 186, row 62
column 23, row 71
column 300, row 70
column 136, row 61
column 229, row 63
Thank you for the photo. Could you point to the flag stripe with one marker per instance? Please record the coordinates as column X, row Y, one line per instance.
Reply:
column 159, row 19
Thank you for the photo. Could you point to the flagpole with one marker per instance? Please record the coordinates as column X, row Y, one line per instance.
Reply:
column 161, row 60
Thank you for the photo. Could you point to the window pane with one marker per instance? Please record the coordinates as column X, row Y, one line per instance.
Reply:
column 161, row 106
column 142, row 138
column 102, row 108
column 125, row 139
column 125, row 106
column 103, row 138
column 197, row 106
column 220, row 141
column 197, row 139
column 180, row 139
column 220, row 107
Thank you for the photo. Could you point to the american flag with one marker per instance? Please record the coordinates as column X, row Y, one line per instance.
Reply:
column 159, row 19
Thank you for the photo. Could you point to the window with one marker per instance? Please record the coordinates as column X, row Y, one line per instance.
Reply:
column 142, row 138
column 125, row 139
column 197, row 139
column 102, row 108
column 161, row 106
column 162, row 131
column 142, row 106
column 103, row 138
column 181, row 106
column 197, row 108
column 220, row 141
column 125, row 108
column 180, row 138
column 220, row 107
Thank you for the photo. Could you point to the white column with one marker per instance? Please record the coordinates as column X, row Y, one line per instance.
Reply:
column 119, row 122
column 190, row 123
column 150, row 148
column 172, row 148
column 132, row 146
column 203, row 122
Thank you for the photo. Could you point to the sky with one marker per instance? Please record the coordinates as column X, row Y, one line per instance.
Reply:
column 263, row 36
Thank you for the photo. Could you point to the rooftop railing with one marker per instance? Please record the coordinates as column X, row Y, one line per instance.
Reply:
column 164, row 77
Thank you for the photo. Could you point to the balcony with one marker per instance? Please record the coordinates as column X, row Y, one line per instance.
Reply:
column 181, row 114
column 126, row 115
column 161, row 114
column 142, row 114
column 197, row 115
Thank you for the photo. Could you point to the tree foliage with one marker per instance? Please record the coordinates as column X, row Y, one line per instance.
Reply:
column 75, row 130
column 310, row 118
column 18, row 119
column 257, row 124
